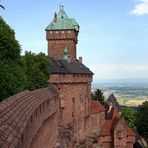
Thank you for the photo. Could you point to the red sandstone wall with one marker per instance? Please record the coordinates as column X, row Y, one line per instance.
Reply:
column 105, row 139
column 75, row 95
column 129, row 145
column 116, row 142
column 23, row 115
column 102, row 117
column 56, row 48
column 95, row 121
column 47, row 134
column 120, row 135
column 71, row 78
column 38, row 123
column 75, row 105
column 58, row 40
column 107, row 145
column 130, row 140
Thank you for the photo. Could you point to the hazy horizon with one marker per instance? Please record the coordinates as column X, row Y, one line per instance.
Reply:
column 136, row 83
column 121, row 80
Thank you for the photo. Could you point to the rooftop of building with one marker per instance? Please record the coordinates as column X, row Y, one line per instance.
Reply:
column 69, row 67
column 96, row 107
column 62, row 22
column 110, row 98
column 109, row 125
column 16, row 111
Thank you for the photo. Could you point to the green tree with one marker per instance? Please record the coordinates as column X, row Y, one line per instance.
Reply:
column 98, row 95
column 142, row 120
column 37, row 70
column 129, row 114
column 12, row 76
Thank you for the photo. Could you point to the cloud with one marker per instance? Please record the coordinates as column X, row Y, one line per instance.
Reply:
column 141, row 8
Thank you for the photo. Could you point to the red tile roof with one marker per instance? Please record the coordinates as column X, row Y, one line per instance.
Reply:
column 131, row 132
column 108, row 126
column 16, row 111
column 96, row 107
column 116, row 114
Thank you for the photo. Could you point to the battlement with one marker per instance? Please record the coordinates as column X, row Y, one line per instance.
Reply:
column 61, row 35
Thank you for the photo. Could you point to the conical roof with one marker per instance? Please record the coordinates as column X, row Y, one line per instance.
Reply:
column 62, row 22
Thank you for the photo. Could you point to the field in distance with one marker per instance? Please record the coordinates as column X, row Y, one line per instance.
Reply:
column 133, row 102
column 128, row 93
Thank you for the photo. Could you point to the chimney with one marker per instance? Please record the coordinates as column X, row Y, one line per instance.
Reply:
column 80, row 60
column 55, row 17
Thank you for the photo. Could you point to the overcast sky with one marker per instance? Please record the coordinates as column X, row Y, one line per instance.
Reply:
column 113, row 37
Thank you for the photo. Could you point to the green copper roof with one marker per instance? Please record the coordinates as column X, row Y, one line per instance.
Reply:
column 62, row 21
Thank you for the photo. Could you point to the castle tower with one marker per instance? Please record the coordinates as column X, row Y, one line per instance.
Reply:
column 62, row 33
column 69, row 75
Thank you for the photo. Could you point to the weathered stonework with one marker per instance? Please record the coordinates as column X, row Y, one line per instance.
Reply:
column 58, row 40
column 75, row 98
column 25, row 116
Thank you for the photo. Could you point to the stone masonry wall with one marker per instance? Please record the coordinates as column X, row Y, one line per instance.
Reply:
column 58, row 40
column 75, row 96
column 95, row 121
column 70, row 78
column 47, row 134
column 106, row 141
column 24, row 114
column 75, row 106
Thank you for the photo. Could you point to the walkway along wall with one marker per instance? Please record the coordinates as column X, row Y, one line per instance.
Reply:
column 25, row 115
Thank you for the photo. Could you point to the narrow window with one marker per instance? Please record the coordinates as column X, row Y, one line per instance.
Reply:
column 22, row 137
column 47, row 102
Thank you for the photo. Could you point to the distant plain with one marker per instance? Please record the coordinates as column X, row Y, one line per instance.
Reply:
column 128, row 92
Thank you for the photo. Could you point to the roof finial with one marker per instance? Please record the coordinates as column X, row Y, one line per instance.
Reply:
column 61, row 7
column 55, row 17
